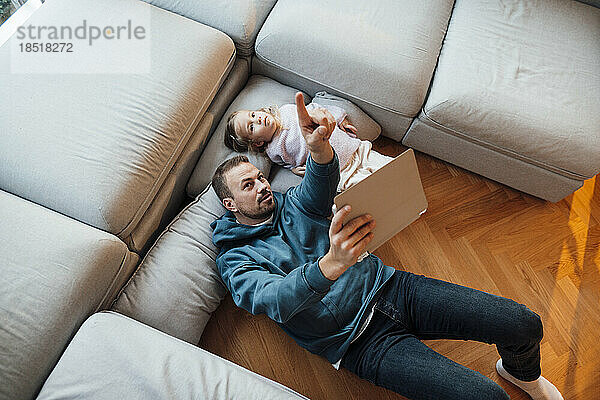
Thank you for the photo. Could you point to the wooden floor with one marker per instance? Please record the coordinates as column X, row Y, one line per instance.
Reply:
column 476, row 233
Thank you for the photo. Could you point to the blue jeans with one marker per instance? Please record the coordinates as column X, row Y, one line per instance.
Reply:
column 412, row 307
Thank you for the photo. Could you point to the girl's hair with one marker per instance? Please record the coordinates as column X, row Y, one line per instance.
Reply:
column 240, row 144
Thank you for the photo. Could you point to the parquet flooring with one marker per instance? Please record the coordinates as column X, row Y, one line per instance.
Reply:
column 477, row 233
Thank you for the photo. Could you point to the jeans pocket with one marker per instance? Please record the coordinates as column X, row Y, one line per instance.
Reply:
column 391, row 311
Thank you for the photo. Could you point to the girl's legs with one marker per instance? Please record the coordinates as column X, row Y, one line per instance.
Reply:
column 376, row 160
column 363, row 163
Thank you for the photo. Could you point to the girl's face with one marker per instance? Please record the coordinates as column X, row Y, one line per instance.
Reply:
column 257, row 126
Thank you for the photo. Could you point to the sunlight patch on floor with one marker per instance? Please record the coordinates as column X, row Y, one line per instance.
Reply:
column 573, row 258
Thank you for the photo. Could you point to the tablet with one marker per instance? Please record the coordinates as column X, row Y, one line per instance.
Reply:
column 393, row 195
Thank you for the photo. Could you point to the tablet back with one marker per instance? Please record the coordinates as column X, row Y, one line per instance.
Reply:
column 393, row 195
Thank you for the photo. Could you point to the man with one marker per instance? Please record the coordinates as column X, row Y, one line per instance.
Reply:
column 281, row 256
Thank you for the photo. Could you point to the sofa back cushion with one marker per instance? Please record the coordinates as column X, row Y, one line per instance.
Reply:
column 380, row 54
column 239, row 19
column 177, row 286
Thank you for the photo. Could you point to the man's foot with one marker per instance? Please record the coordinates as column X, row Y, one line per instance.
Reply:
column 540, row 389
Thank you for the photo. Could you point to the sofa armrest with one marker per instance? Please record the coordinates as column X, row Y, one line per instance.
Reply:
column 115, row 357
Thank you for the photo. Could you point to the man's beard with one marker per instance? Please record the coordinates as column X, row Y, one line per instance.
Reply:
column 263, row 211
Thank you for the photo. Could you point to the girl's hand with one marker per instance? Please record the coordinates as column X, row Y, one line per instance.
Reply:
column 349, row 128
column 300, row 171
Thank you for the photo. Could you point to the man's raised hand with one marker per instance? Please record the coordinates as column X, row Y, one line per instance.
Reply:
column 316, row 127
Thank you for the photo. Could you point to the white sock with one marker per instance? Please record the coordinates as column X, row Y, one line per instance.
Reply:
column 540, row 389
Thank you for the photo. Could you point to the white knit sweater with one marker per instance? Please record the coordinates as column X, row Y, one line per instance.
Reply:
column 288, row 148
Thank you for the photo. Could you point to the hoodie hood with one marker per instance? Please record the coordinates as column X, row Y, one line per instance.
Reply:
column 227, row 232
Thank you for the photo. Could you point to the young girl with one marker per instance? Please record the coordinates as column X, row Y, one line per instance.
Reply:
column 276, row 132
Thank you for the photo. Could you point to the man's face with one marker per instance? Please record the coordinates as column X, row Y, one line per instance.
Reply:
column 252, row 195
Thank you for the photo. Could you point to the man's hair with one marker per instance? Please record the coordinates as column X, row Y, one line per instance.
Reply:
column 232, row 140
column 219, row 182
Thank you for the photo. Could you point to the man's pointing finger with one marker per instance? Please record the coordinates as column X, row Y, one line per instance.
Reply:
column 303, row 117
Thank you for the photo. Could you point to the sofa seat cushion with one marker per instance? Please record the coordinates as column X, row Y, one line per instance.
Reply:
column 54, row 273
column 97, row 147
column 240, row 19
column 522, row 78
column 377, row 53
column 115, row 357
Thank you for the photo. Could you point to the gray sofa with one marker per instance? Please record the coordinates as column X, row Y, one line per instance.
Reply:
column 97, row 170
column 485, row 85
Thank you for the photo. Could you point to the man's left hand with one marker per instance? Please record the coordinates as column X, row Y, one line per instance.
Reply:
column 346, row 242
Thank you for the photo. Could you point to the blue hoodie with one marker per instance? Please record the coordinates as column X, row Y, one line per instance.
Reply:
column 274, row 269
